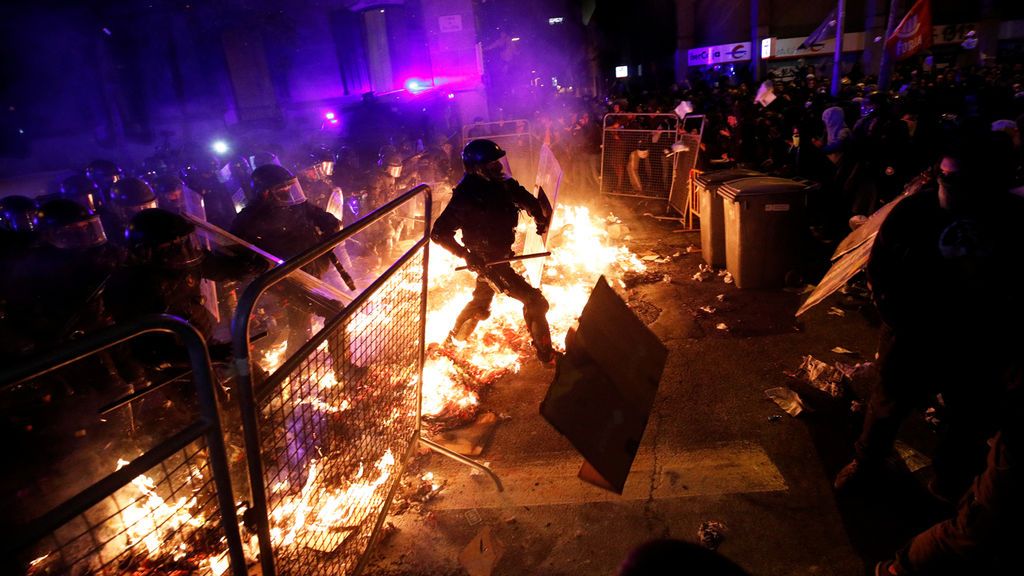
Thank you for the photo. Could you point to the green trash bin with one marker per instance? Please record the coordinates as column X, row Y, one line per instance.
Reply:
column 712, row 224
column 765, row 220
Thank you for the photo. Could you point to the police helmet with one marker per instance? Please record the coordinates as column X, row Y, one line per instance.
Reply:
column 163, row 238
column 66, row 224
column 169, row 190
column 131, row 196
column 480, row 152
column 104, row 173
column 18, row 213
column 275, row 184
column 81, row 189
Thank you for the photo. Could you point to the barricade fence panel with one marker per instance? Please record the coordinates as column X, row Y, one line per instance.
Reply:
column 110, row 478
column 166, row 520
column 515, row 137
column 636, row 154
column 336, row 418
column 686, row 155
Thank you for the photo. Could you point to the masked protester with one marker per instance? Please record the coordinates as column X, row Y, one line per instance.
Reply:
column 944, row 276
column 485, row 206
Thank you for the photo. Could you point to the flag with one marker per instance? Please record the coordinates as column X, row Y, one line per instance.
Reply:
column 824, row 30
column 914, row 33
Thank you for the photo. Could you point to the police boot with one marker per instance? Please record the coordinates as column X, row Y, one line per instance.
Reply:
column 541, row 335
column 464, row 327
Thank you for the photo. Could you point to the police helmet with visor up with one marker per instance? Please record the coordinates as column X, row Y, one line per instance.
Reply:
column 130, row 196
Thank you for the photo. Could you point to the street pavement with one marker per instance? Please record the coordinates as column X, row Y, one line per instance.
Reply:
column 715, row 448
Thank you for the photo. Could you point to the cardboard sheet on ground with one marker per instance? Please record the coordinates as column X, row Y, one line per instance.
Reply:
column 549, row 180
column 604, row 387
column 851, row 256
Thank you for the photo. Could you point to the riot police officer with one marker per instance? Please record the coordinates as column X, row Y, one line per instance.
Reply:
column 165, row 267
column 282, row 222
column 127, row 197
column 19, row 216
column 202, row 177
column 170, row 193
column 104, row 174
column 81, row 189
column 485, row 206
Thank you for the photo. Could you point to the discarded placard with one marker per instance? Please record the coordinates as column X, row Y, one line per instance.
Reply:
column 787, row 399
column 605, row 385
column 823, row 376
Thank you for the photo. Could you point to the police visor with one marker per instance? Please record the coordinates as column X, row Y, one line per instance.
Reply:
column 84, row 234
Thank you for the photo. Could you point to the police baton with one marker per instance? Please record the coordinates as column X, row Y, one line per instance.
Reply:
column 510, row 259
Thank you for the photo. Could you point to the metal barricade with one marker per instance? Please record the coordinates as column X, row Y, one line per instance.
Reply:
column 686, row 155
column 636, row 155
column 169, row 509
column 329, row 432
column 515, row 137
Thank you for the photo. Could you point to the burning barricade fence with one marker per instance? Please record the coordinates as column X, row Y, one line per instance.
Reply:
column 323, row 425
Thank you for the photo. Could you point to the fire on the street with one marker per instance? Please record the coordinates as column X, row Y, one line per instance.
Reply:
column 321, row 516
column 582, row 249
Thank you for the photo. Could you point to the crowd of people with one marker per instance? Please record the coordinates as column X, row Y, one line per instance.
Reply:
column 104, row 246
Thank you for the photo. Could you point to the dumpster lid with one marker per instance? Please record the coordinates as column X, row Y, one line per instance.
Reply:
column 720, row 176
column 760, row 186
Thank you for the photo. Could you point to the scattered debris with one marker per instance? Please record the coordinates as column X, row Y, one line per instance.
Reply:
column 841, row 350
column 854, row 372
column 707, row 309
column 631, row 278
column 650, row 258
column 822, row 376
column 727, row 278
column 856, row 406
column 504, row 416
column 711, row 534
column 481, row 555
column 470, row 440
column 721, row 326
column 666, row 279
column 931, row 416
column 800, row 290
column 617, row 231
column 836, row 311
column 704, row 272
column 775, row 418
column 720, row 297
column 913, row 459
column 676, row 255
column 691, row 249
column 786, row 399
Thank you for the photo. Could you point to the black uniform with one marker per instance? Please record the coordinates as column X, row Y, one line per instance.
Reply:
column 487, row 212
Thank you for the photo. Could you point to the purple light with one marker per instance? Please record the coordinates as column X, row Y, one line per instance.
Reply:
column 329, row 116
column 451, row 95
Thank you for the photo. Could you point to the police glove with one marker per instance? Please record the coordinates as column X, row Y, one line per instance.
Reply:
column 542, row 227
column 475, row 262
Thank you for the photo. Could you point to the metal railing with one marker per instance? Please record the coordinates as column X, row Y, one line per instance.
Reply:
column 170, row 507
column 636, row 155
column 329, row 432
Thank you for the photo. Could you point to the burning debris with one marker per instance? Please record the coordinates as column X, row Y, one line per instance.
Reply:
column 456, row 372
column 711, row 534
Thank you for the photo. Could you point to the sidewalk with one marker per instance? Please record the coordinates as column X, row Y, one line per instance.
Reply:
column 715, row 448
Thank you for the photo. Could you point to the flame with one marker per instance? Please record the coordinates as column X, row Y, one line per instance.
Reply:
column 319, row 514
column 582, row 250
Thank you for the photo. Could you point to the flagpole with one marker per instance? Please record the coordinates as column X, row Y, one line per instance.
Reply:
column 885, row 67
column 837, row 58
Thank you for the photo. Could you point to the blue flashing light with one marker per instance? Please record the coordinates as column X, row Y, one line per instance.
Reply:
column 220, row 147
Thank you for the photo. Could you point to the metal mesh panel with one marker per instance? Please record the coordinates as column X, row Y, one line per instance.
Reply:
column 681, row 198
column 636, row 156
column 515, row 138
column 165, row 520
column 335, row 432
